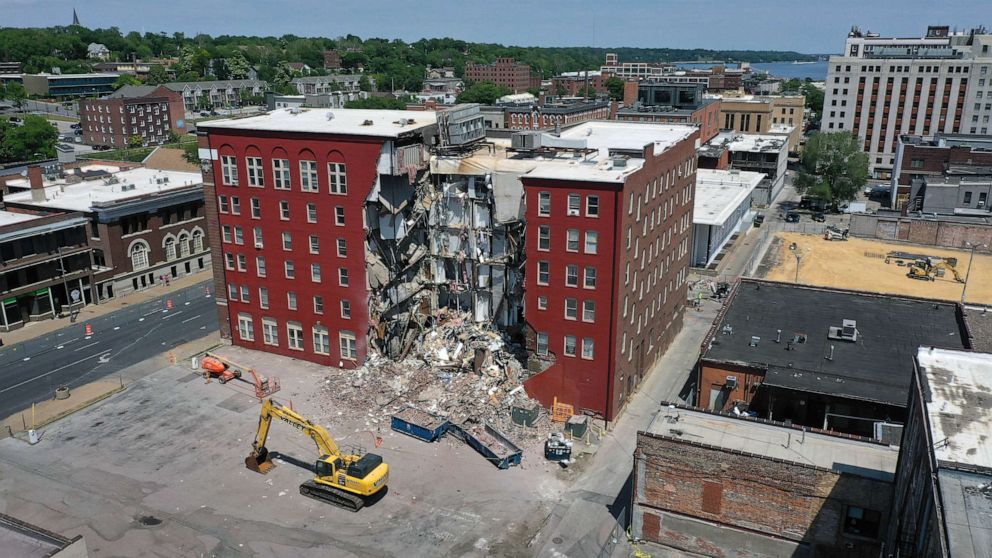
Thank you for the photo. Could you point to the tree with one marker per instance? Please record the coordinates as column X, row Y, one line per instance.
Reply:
column 191, row 153
column 34, row 139
column 156, row 75
column 125, row 79
column 174, row 137
column 237, row 66
column 364, row 84
column 484, row 93
column 814, row 99
column 377, row 103
column 615, row 87
column 15, row 92
column 834, row 168
column 134, row 141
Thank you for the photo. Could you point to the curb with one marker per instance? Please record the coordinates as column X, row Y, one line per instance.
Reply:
column 76, row 409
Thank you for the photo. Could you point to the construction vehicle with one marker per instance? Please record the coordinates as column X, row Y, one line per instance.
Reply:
column 834, row 233
column 928, row 269
column 342, row 480
column 225, row 371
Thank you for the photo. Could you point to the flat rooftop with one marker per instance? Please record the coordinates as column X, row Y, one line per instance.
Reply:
column 10, row 217
column 23, row 540
column 107, row 189
column 756, row 143
column 877, row 366
column 560, row 166
column 967, row 501
column 837, row 453
column 959, row 405
column 629, row 136
column 720, row 192
column 349, row 122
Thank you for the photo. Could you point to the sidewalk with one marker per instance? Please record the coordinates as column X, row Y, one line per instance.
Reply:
column 32, row 330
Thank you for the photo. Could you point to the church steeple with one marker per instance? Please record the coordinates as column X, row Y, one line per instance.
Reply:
column 75, row 18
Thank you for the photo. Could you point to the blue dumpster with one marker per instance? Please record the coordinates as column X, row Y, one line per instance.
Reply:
column 419, row 424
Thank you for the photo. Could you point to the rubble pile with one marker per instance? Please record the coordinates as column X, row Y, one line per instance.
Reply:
column 457, row 369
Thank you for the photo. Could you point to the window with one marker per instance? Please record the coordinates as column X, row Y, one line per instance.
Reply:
column 544, row 238
column 544, row 204
column 229, row 261
column 349, row 346
column 570, row 345
column 239, row 238
column 170, row 248
column 574, row 201
column 291, row 300
column 222, row 204
column 280, row 174
column 139, row 256
column 287, row 241
column 295, row 333
column 342, row 248
column 542, row 303
column 255, row 176
column 861, row 522
column 571, row 309
column 246, row 330
column 314, row 244
column 229, row 169
column 336, row 178
column 592, row 241
column 571, row 275
column 967, row 198
column 263, row 297
column 270, row 331
column 242, row 262
column 257, row 236
column 225, row 233
column 232, row 291
column 345, row 309
column 321, row 341
column 592, row 206
column 260, row 266
column 284, row 210
column 308, row 176
column 590, row 278
column 589, row 311
column 543, row 273
column 311, row 213
column 572, row 240
column 542, row 344
column 245, row 294
column 315, row 272
column 587, row 348
column 343, row 276
column 290, row 269
column 916, row 163
column 235, row 205
column 256, row 208
column 339, row 216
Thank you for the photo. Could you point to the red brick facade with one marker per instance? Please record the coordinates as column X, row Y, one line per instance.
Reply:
column 706, row 116
column 928, row 160
column 111, row 121
column 506, row 72
column 640, row 264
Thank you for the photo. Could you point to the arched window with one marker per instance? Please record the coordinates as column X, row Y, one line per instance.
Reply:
column 197, row 240
column 184, row 244
column 170, row 248
column 139, row 255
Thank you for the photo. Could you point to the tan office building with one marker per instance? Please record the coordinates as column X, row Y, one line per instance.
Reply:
column 768, row 114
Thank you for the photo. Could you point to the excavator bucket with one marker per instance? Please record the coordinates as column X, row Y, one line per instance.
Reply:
column 259, row 461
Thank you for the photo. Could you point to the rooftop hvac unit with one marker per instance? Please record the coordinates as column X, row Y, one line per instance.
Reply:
column 526, row 140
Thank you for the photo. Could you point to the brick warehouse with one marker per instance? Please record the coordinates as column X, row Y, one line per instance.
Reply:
column 147, row 111
column 626, row 177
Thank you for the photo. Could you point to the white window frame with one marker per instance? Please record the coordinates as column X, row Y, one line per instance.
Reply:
column 263, row 298
column 586, row 276
column 339, row 215
column 592, row 206
column 345, row 306
column 281, row 175
column 337, row 178
column 311, row 213
column 308, row 176
column 543, row 273
column 574, row 207
column 570, row 339
column 544, row 238
column 315, row 272
column 289, row 269
column 588, row 348
column 287, row 241
column 229, row 169
column 591, row 245
column 571, row 308
column 291, row 301
column 246, row 327
column 589, row 311
column 260, row 266
column 544, row 204
column 256, row 172
column 321, row 340
column 283, row 210
column 270, row 332
column 571, row 275
column 349, row 345
column 342, row 248
column 572, row 240
column 294, row 336
column 542, row 344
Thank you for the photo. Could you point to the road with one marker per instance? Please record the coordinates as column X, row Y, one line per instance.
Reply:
column 33, row 369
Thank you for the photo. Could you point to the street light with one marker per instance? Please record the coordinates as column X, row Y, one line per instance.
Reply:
column 795, row 252
column 970, row 260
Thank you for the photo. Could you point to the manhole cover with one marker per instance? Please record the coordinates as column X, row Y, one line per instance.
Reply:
column 149, row 520
column 556, row 540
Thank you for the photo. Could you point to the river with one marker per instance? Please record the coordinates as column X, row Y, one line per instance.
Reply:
column 817, row 71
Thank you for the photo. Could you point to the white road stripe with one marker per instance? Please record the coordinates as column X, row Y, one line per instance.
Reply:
column 85, row 346
column 171, row 315
column 191, row 319
column 53, row 371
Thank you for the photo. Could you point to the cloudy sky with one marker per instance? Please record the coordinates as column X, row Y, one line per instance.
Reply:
column 810, row 26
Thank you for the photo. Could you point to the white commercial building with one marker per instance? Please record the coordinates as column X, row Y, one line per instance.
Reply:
column 884, row 87
column 721, row 209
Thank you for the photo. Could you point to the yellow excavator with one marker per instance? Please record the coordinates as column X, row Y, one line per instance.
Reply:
column 345, row 481
column 926, row 269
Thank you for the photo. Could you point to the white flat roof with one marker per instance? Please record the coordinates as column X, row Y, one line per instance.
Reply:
column 629, row 136
column 564, row 166
column 82, row 195
column 350, row 122
column 960, row 406
column 777, row 442
column 9, row 217
column 756, row 142
column 720, row 192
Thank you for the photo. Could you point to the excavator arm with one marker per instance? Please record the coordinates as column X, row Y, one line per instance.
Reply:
column 259, row 460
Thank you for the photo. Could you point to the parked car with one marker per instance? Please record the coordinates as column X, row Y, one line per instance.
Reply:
column 819, row 217
column 204, row 113
column 792, row 217
column 78, row 132
column 14, row 119
column 76, row 126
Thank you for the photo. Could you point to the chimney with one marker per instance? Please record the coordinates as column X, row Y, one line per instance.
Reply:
column 629, row 93
column 37, row 183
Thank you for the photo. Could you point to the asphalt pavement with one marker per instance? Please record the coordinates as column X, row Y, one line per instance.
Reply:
column 30, row 371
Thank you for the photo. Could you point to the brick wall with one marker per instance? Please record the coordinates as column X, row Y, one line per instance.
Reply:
column 761, row 497
column 948, row 234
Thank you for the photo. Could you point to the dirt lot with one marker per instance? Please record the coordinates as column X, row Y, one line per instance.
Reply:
column 158, row 470
column 860, row 265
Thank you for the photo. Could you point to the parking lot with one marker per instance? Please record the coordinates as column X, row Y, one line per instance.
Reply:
column 161, row 466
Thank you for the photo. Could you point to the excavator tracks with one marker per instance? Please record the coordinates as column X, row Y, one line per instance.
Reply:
column 333, row 496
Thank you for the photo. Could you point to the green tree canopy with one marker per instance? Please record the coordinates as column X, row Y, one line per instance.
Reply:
column 126, row 79
column 834, row 168
column 15, row 92
column 485, row 93
column 34, row 139
column 156, row 75
column 615, row 86
column 377, row 103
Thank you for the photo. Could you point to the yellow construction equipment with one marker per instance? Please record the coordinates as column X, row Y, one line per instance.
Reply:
column 342, row 480
column 927, row 269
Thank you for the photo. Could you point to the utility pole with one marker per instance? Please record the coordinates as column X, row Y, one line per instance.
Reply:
column 967, row 273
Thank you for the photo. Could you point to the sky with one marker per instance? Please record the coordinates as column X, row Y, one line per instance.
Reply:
column 808, row 26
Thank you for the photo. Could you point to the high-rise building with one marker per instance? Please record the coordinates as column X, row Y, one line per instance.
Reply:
column 884, row 87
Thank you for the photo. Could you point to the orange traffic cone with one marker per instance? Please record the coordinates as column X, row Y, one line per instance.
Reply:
column 89, row 329
column 168, row 304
